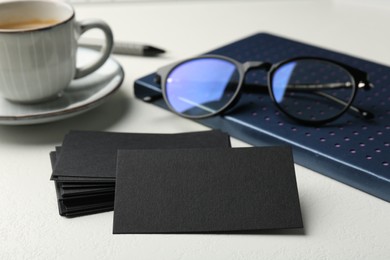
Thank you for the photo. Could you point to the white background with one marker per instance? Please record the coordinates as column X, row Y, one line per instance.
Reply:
column 340, row 222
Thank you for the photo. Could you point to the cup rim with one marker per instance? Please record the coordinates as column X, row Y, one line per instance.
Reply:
column 43, row 28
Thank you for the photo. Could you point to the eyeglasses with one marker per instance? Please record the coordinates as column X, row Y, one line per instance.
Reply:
column 309, row 90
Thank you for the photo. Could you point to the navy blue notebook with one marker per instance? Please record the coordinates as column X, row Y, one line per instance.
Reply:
column 350, row 150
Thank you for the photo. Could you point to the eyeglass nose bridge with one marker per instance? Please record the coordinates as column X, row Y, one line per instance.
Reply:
column 247, row 66
column 251, row 65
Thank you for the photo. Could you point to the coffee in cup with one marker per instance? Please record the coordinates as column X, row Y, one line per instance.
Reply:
column 38, row 49
column 29, row 24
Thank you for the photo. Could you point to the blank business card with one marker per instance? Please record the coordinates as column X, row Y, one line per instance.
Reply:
column 92, row 155
column 208, row 190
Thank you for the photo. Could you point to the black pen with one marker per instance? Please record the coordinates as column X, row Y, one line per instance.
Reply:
column 124, row 48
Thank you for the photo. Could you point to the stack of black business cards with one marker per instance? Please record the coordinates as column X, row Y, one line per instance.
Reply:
column 84, row 166
column 176, row 183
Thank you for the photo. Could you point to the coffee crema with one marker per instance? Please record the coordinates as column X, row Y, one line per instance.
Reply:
column 28, row 24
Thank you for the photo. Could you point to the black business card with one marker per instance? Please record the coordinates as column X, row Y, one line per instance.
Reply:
column 89, row 154
column 206, row 190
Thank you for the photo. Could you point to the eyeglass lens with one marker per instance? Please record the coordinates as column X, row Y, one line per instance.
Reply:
column 312, row 90
column 201, row 87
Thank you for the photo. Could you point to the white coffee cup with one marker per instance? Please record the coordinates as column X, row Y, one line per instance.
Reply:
column 38, row 44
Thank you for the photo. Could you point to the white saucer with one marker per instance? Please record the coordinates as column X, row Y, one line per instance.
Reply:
column 82, row 95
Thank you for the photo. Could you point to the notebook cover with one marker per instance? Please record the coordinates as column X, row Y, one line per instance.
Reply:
column 206, row 190
column 350, row 150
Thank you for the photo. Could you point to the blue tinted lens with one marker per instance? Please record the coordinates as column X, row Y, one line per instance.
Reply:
column 312, row 90
column 281, row 80
column 201, row 87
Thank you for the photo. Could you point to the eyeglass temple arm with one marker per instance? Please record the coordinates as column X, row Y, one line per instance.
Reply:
column 310, row 87
column 313, row 88
column 363, row 113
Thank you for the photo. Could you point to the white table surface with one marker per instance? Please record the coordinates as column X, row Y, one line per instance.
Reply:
column 340, row 222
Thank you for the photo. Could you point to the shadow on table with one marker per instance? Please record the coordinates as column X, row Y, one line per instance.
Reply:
column 98, row 119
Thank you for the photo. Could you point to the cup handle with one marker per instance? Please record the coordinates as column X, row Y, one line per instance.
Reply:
column 82, row 27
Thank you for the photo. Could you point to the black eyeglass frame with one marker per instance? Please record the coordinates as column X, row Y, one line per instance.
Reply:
column 359, row 80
